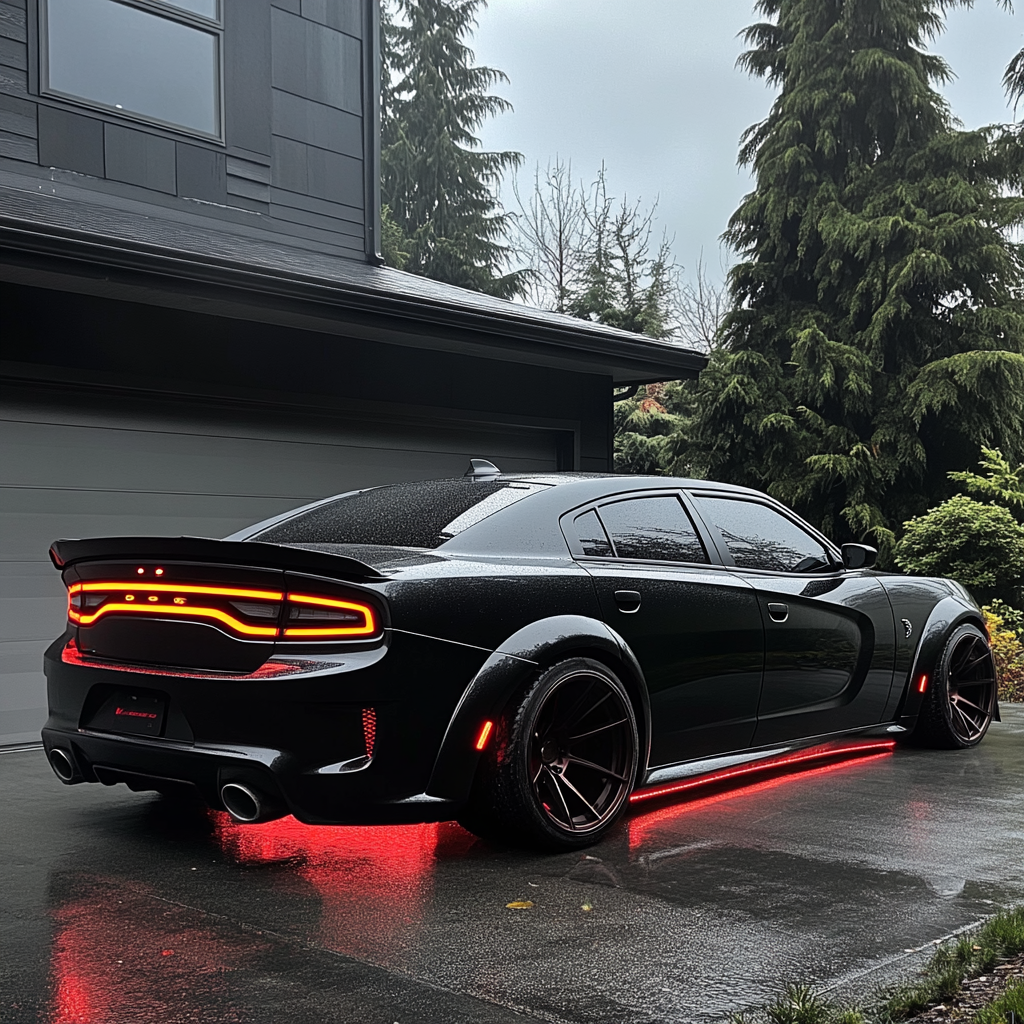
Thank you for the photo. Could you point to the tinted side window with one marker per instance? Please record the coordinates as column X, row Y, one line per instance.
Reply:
column 653, row 528
column 758, row 537
column 593, row 539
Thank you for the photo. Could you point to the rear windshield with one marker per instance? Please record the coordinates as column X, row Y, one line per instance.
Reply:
column 420, row 515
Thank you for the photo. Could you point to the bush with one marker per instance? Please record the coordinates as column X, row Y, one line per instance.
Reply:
column 978, row 545
column 1013, row 618
column 1009, row 653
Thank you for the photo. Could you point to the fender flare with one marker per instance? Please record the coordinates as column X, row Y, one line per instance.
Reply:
column 508, row 669
column 942, row 620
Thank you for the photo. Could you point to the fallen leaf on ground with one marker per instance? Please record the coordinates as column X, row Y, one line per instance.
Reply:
column 519, row 905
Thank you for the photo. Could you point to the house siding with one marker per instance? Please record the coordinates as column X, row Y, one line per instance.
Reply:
column 293, row 147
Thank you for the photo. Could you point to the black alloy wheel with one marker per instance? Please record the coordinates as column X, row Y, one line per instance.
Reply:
column 961, row 700
column 565, row 761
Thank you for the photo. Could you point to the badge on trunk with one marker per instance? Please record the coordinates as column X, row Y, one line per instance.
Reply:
column 137, row 714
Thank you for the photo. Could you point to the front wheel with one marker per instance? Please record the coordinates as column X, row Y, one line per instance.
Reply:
column 563, row 763
column 961, row 700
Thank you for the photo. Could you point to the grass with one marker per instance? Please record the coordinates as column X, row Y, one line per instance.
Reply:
column 971, row 955
column 1008, row 1007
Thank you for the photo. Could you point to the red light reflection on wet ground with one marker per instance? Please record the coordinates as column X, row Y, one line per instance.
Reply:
column 644, row 825
column 120, row 955
column 373, row 882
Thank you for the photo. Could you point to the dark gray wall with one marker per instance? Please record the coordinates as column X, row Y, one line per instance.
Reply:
column 121, row 418
column 292, row 158
column 91, row 338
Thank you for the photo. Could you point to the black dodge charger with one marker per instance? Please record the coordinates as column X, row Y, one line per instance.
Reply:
column 518, row 652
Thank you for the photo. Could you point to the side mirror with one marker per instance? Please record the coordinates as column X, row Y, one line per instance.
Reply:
column 858, row 556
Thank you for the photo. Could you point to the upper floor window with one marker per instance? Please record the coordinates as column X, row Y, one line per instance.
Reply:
column 155, row 60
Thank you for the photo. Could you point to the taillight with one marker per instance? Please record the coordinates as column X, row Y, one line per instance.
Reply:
column 320, row 618
column 247, row 613
column 229, row 607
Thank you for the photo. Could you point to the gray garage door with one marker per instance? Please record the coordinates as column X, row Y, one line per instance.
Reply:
column 87, row 466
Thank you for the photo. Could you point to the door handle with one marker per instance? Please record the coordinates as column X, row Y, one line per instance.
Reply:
column 778, row 611
column 628, row 601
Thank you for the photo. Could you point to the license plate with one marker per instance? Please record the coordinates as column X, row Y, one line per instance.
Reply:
column 133, row 713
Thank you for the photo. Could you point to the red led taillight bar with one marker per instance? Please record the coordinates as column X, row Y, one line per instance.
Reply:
column 306, row 617
column 298, row 612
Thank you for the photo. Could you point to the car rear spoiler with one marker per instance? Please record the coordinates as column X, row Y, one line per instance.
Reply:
column 252, row 554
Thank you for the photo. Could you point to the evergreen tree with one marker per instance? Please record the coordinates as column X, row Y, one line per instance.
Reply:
column 439, row 187
column 646, row 425
column 624, row 282
column 876, row 332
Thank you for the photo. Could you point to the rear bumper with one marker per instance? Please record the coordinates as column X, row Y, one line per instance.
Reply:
column 301, row 741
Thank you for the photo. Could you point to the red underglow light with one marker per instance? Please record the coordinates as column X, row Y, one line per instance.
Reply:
column 644, row 823
column 769, row 764
column 485, row 735
column 922, row 684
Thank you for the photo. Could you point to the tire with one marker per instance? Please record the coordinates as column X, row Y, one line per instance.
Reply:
column 545, row 786
column 960, row 701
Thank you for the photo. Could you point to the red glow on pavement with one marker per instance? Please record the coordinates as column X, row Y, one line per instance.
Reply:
column 485, row 735
column 643, row 823
column 756, row 767
column 373, row 882
column 121, row 954
column 76, row 1001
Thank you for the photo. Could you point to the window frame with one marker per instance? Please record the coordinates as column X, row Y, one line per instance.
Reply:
column 168, row 12
column 725, row 556
column 568, row 522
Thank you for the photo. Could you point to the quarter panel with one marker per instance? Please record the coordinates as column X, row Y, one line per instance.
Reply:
column 483, row 604
column 509, row 669
column 932, row 612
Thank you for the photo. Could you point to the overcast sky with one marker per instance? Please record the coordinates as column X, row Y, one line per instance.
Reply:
column 650, row 87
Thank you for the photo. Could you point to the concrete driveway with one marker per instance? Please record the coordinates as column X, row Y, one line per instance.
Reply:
column 115, row 908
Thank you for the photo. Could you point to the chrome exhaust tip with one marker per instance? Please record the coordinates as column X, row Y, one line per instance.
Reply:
column 62, row 765
column 240, row 802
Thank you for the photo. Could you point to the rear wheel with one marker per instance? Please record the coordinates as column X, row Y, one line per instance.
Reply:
column 563, row 762
column 961, row 700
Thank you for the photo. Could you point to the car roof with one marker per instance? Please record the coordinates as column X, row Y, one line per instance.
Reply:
column 530, row 527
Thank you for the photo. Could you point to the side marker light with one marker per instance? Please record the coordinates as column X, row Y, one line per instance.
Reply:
column 922, row 684
column 485, row 735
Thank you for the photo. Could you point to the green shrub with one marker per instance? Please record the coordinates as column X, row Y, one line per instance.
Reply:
column 1008, row 651
column 1009, row 617
column 978, row 545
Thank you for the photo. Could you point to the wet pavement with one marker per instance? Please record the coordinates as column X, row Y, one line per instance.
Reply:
column 119, row 908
